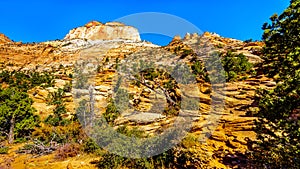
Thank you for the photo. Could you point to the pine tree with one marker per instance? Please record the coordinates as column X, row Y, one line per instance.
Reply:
column 17, row 119
column 278, row 124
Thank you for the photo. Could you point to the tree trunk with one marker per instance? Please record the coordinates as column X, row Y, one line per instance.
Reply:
column 92, row 102
column 84, row 118
column 11, row 131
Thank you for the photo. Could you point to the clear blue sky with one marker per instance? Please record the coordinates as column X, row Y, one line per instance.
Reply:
column 36, row 21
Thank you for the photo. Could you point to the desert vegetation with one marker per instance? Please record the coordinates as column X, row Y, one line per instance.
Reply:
column 279, row 109
column 64, row 132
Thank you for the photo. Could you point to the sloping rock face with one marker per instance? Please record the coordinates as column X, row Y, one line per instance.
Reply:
column 222, row 44
column 110, row 31
column 4, row 39
column 234, row 127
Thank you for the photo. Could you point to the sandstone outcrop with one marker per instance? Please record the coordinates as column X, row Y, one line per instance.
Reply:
column 4, row 39
column 110, row 31
column 250, row 49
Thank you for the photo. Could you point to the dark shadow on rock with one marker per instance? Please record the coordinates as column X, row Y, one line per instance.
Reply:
column 235, row 159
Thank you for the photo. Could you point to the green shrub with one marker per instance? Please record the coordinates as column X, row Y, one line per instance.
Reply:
column 248, row 40
column 133, row 132
column 4, row 149
column 186, row 52
column 231, row 75
column 89, row 146
column 235, row 64
column 26, row 80
column 111, row 113
column 173, row 158
column 199, row 70
column 67, row 87
column 99, row 68
column 219, row 45
column 177, row 49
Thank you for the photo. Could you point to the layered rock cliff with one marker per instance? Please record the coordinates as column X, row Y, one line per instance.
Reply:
column 109, row 31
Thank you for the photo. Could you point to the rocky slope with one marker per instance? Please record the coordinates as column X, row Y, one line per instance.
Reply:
column 111, row 43
column 4, row 39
